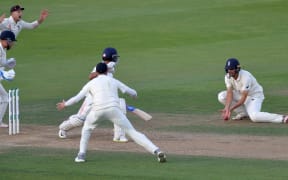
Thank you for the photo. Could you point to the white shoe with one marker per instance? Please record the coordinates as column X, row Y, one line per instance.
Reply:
column 240, row 116
column 161, row 157
column 62, row 134
column 121, row 139
column 80, row 158
column 3, row 125
column 285, row 119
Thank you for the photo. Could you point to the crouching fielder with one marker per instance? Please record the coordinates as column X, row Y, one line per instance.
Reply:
column 244, row 96
column 104, row 92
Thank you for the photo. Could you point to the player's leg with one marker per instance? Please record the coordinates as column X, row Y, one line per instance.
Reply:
column 119, row 134
column 117, row 117
column 89, row 125
column 76, row 120
column 253, row 106
column 240, row 111
column 72, row 122
column 3, row 105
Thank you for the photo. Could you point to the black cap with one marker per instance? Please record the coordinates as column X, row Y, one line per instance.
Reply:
column 101, row 68
column 16, row 8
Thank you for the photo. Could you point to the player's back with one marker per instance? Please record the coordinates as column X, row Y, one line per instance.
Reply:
column 104, row 92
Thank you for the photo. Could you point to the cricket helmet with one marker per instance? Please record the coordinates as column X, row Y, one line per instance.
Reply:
column 7, row 35
column 231, row 64
column 110, row 54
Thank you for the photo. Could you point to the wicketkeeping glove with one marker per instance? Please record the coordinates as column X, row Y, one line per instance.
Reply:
column 11, row 63
column 7, row 75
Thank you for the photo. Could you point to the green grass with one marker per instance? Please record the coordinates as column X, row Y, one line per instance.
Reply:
column 172, row 52
column 26, row 163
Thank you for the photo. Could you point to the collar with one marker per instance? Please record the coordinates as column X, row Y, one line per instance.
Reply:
column 11, row 19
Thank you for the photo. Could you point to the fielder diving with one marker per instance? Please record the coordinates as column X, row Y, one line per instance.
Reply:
column 104, row 93
column 244, row 96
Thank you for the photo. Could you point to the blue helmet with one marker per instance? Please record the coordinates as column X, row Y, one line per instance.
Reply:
column 232, row 63
column 7, row 35
column 110, row 54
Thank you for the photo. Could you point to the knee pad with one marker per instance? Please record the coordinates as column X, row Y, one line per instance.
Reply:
column 72, row 122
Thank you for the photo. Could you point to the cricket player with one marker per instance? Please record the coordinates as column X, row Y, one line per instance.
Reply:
column 244, row 96
column 104, row 92
column 15, row 23
column 111, row 58
column 7, row 39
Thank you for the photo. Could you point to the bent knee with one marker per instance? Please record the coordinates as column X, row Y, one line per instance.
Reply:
column 253, row 116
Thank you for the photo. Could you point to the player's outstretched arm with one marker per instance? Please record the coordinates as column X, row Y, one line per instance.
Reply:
column 43, row 15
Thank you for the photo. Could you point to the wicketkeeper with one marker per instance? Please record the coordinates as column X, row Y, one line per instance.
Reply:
column 7, row 39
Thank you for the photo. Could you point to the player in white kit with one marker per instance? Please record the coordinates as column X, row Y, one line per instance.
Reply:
column 7, row 39
column 15, row 23
column 110, row 57
column 104, row 92
column 244, row 96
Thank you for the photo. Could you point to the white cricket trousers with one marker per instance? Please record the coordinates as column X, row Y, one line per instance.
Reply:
column 252, row 107
column 116, row 116
column 3, row 102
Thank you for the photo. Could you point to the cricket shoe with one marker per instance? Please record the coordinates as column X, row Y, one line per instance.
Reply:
column 121, row 139
column 285, row 119
column 80, row 158
column 240, row 116
column 161, row 157
column 62, row 134
column 3, row 125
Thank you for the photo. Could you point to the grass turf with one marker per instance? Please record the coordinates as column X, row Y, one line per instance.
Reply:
column 172, row 52
column 27, row 163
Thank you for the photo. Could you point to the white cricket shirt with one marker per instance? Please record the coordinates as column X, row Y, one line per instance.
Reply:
column 245, row 82
column 10, row 24
column 104, row 92
column 2, row 57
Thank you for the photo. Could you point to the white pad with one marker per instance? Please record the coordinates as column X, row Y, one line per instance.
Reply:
column 3, row 107
column 122, row 104
column 72, row 122
column 118, row 132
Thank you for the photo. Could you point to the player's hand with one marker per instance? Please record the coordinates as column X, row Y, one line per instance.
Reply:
column 43, row 15
column 60, row 105
column 2, row 17
column 93, row 75
column 225, row 114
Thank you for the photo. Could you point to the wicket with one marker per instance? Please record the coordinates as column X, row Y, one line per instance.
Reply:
column 14, row 111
